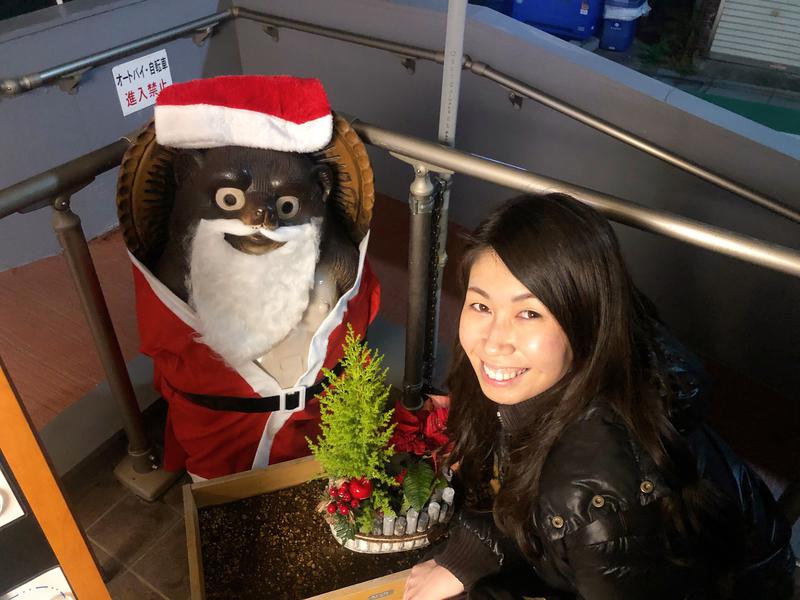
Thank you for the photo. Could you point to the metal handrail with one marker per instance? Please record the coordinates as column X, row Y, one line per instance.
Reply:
column 140, row 470
column 30, row 193
column 404, row 50
column 70, row 175
column 522, row 88
column 26, row 83
column 696, row 233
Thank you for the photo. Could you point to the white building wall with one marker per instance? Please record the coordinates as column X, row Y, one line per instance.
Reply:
column 758, row 30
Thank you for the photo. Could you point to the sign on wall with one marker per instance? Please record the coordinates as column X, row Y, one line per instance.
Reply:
column 139, row 81
column 50, row 585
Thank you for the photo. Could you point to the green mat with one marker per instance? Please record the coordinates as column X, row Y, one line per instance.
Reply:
column 775, row 117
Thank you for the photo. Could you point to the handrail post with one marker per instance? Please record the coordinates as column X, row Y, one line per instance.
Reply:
column 448, row 118
column 420, row 204
column 136, row 469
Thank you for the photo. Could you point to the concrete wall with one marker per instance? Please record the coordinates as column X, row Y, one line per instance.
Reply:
column 46, row 127
column 743, row 316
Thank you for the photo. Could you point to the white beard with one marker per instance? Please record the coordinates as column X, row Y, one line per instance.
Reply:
column 246, row 304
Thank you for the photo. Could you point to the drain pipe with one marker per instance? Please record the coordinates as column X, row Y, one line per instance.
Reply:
column 426, row 263
column 420, row 205
column 448, row 115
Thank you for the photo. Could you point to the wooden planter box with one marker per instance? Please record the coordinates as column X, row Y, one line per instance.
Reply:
column 254, row 483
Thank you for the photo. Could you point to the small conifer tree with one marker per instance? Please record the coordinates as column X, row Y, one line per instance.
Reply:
column 356, row 424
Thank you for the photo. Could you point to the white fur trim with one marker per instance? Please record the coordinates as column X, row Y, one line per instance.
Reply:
column 178, row 307
column 210, row 126
column 261, row 382
column 285, row 233
column 249, row 303
column 317, row 351
column 275, row 423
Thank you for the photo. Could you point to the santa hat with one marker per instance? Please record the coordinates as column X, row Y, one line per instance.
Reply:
column 283, row 113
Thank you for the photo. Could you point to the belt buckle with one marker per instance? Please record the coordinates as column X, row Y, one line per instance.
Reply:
column 287, row 398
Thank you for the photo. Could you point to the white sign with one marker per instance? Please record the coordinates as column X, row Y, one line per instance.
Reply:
column 50, row 585
column 10, row 510
column 139, row 81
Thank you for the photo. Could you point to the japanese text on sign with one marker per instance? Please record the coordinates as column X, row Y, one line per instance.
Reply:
column 138, row 82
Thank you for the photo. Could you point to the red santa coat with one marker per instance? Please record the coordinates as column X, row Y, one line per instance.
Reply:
column 209, row 443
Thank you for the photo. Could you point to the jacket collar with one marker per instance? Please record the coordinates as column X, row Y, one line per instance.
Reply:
column 514, row 417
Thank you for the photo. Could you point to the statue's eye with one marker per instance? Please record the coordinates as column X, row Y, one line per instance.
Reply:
column 230, row 198
column 288, row 207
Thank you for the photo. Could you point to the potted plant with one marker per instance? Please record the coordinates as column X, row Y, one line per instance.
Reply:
column 385, row 489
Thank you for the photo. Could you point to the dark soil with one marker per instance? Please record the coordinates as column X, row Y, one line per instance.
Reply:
column 276, row 546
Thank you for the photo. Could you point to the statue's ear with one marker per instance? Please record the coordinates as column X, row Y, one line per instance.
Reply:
column 186, row 161
column 324, row 177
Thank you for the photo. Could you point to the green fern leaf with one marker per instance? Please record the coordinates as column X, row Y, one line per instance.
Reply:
column 344, row 529
column 417, row 484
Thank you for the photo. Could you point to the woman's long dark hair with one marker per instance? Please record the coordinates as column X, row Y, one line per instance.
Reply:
column 567, row 255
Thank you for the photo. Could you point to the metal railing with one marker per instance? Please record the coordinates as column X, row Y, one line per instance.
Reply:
column 54, row 187
column 64, row 179
column 76, row 68
column 765, row 254
column 201, row 28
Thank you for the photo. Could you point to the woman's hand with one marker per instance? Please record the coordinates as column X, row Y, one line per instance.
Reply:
column 429, row 581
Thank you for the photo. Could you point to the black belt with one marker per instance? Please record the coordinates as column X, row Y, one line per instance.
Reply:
column 290, row 399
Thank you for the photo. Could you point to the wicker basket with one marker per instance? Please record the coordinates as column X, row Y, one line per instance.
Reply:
column 382, row 544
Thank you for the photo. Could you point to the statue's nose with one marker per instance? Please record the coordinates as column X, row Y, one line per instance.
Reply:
column 265, row 215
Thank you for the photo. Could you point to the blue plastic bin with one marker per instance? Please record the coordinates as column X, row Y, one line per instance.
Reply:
column 501, row 6
column 625, row 3
column 569, row 19
column 617, row 34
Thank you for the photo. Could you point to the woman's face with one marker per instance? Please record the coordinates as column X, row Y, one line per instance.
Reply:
column 517, row 348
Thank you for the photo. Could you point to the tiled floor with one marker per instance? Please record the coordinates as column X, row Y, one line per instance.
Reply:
column 140, row 546
column 44, row 340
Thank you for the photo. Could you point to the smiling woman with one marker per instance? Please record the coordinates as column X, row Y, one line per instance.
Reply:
column 578, row 436
column 513, row 342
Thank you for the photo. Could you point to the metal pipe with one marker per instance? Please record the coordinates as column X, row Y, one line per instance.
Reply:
column 16, row 85
column 451, row 73
column 519, row 87
column 448, row 119
column 68, row 176
column 748, row 249
column 340, row 34
column 22, row 84
column 420, row 204
column 69, row 232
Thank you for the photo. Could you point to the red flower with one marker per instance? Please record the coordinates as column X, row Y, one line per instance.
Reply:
column 422, row 432
column 434, row 427
column 406, row 420
column 410, row 443
column 406, row 436
column 401, row 476
column 439, row 401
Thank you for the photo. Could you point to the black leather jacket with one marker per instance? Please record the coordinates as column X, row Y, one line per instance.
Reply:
column 599, row 519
